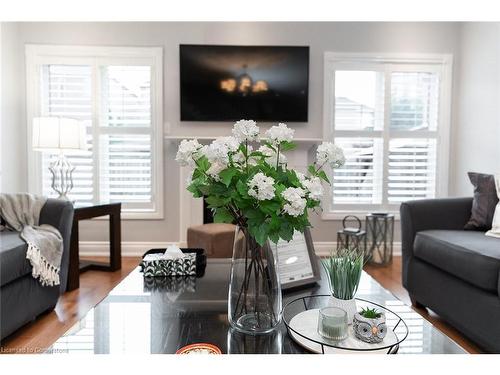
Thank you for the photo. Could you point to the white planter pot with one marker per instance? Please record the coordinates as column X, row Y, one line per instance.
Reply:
column 348, row 305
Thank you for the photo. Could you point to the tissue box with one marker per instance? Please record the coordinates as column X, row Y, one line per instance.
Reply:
column 192, row 264
column 154, row 265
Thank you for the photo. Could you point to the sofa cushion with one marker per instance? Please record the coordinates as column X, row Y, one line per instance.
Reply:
column 470, row 256
column 485, row 200
column 13, row 262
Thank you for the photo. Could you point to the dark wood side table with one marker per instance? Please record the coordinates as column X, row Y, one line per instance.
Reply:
column 115, row 248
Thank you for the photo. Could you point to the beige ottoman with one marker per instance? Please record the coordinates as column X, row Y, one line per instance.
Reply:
column 217, row 239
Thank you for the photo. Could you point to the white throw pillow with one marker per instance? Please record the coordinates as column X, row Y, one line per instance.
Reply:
column 495, row 228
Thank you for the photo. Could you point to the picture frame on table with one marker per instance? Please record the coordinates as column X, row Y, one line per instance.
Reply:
column 298, row 264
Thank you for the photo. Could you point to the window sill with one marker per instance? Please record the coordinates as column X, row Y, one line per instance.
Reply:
column 339, row 215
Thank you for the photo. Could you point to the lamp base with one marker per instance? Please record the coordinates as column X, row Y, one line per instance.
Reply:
column 62, row 176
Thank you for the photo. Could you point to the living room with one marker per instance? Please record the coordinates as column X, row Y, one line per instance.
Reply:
column 220, row 187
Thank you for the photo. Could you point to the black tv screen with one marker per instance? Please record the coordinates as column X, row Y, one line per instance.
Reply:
column 229, row 83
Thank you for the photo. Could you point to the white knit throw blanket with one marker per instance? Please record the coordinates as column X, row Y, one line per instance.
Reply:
column 21, row 213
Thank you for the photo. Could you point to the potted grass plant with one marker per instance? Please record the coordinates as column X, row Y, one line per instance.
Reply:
column 344, row 269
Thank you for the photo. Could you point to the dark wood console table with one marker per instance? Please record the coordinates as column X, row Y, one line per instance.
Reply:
column 115, row 249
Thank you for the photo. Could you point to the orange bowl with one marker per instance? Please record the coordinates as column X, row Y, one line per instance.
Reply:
column 199, row 348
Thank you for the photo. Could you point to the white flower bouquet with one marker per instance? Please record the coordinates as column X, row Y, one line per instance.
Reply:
column 254, row 187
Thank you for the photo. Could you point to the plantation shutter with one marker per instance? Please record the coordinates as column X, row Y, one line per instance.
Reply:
column 118, row 166
column 126, row 168
column 66, row 92
column 359, row 180
column 412, row 169
column 389, row 138
column 414, row 101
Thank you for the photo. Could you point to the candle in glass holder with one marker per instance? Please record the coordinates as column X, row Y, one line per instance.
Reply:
column 332, row 323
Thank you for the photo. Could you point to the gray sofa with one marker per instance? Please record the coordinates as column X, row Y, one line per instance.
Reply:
column 23, row 298
column 453, row 272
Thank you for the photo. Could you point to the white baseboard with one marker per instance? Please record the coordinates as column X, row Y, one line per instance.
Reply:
column 133, row 248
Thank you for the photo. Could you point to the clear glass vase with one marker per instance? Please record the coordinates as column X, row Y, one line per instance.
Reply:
column 254, row 291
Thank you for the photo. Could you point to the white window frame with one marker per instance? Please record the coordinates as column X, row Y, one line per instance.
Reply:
column 442, row 63
column 95, row 56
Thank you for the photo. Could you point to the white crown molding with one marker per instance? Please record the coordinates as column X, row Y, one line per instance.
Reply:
column 133, row 248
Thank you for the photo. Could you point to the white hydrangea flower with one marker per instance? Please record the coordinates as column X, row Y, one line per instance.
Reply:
column 246, row 130
column 215, row 168
column 314, row 187
column 301, row 176
column 296, row 203
column 218, row 151
column 240, row 158
column 271, row 155
column 261, row 187
column 188, row 152
column 330, row 153
column 280, row 133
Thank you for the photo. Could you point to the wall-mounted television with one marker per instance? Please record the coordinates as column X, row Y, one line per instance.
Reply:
column 229, row 83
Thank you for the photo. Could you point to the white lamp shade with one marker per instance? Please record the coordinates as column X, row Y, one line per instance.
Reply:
column 58, row 134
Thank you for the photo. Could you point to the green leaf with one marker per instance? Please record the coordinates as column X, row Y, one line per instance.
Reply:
column 287, row 146
column 216, row 201
column 280, row 188
column 270, row 207
column 274, row 236
column 286, row 231
column 257, row 154
column 275, row 224
column 222, row 215
column 312, row 170
column 255, row 215
column 323, row 176
column 195, row 188
column 202, row 163
column 242, row 188
column 218, row 188
column 227, row 174
column 260, row 230
column 270, row 145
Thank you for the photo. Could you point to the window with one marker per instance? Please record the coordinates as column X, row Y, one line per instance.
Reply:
column 391, row 117
column 116, row 93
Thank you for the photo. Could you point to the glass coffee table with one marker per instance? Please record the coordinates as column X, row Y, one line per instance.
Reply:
column 163, row 315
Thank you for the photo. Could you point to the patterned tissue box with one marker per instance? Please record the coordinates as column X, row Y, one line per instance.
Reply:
column 154, row 265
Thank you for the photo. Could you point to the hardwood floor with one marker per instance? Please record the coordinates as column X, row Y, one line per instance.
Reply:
column 95, row 285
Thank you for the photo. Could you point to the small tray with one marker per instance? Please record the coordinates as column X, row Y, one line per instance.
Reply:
column 301, row 320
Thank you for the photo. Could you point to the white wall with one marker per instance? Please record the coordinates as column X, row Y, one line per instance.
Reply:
column 321, row 37
column 476, row 136
column 12, row 141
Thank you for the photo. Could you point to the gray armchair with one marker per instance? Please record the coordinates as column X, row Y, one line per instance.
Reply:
column 452, row 271
column 22, row 298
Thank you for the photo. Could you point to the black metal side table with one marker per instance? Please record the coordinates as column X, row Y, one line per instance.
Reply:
column 379, row 237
